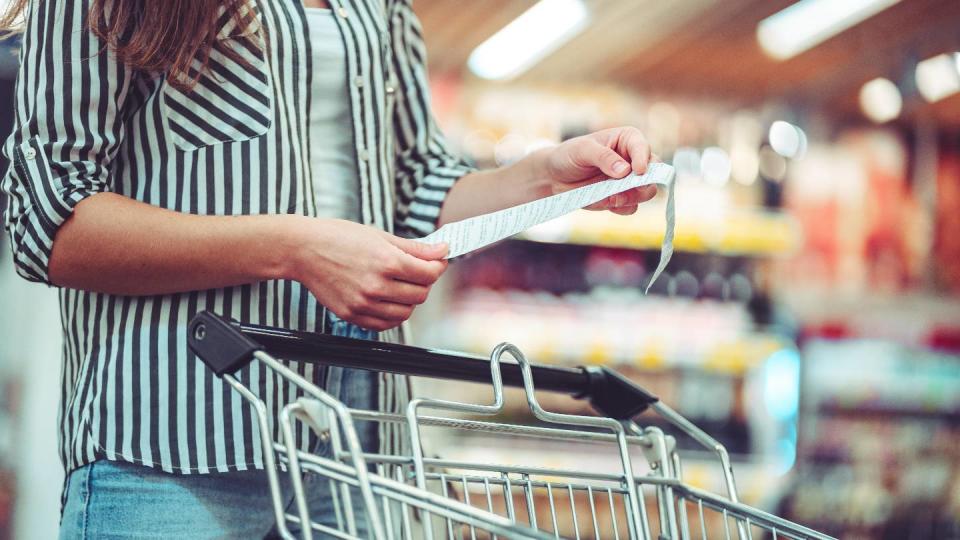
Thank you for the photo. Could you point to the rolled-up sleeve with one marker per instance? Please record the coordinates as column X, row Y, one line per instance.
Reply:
column 67, row 126
column 426, row 168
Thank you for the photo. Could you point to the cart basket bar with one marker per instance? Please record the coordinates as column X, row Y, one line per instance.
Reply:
column 227, row 346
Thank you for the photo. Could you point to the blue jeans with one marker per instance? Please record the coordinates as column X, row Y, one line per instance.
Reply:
column 107, row 499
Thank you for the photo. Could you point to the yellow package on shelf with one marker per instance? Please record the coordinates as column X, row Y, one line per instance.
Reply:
column 736, row 232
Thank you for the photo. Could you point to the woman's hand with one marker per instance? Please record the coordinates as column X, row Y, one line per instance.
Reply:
column 610, row 153
column 364, row 275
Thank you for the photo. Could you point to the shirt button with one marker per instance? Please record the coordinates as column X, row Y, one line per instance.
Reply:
column 358, row 81
column 364, row 155
column 342, row 11
column 391, row 89
column 30, row 153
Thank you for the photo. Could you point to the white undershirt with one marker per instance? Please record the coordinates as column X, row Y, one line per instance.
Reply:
column 336, row 180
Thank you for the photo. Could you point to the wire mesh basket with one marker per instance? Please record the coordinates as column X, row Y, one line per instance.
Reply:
column 639, row 493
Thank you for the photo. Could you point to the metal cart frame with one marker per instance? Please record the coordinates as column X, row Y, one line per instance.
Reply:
column 414, row 496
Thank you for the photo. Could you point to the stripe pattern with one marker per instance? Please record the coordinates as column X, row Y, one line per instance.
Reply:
column 239, row 144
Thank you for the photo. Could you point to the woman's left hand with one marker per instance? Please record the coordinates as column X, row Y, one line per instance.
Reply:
column 610, row 153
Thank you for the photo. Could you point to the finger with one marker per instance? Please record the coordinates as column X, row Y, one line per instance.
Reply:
column 403, row 292
column 373, row 323
column 637, row 149
column 625, row 210
column 635, row 196
column 629, row 198
column 419, row 272
column 604, row 204
column 590, row 153
column 654, row 158
column 389, row 311
column 646, row 193
column 420, row 250
column 624, row 198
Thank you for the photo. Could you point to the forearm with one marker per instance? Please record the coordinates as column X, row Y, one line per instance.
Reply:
column 487, row 191
column 114, row 244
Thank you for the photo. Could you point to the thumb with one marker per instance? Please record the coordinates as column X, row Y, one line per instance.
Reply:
column 604, row 158
column 420, row 250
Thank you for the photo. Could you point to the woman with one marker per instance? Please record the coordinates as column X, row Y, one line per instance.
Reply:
column 264, row 159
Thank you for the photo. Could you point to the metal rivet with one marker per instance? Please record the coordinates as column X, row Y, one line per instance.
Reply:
column 342, row 11
column 358, row 81
column 30, row 153
column 200, row 332
column 325, row 436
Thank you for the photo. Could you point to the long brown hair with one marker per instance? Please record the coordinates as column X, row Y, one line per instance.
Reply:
column 161, row 36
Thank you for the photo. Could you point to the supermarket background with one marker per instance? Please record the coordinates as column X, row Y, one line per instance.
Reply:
column 810, row 318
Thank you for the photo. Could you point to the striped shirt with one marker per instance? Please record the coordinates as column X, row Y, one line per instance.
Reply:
column 238, row 143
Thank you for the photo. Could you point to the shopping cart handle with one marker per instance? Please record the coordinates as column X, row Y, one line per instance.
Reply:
column 219, row 343
column 228, row 346
column 613, row 395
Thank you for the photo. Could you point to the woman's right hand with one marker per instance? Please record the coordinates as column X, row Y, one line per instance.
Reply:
column 366, row 276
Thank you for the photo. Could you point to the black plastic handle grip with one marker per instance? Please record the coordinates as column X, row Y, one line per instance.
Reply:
column 221, row 343
column 221, row 346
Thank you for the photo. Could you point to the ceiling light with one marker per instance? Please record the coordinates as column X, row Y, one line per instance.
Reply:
column 686, row 161
column 880, row 100
column 808, row 23
column 528, row 39
column 938, row 77
column 715, row 166
column 787, row 139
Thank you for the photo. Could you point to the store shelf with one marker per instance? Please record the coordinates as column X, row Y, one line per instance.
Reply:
column 646, row 332
column 891, row 379
column 733, row 356
column 878, row 439
column 754, row 232
column 890, row 413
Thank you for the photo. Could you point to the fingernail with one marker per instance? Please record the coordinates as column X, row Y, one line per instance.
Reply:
column 620, row 167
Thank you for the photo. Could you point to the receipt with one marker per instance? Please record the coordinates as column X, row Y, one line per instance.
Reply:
column 474, row 233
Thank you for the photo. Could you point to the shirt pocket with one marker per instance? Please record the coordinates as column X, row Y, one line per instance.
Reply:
column 232, row 100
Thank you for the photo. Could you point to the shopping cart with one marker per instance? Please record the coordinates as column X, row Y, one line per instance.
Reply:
column 419, row 496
